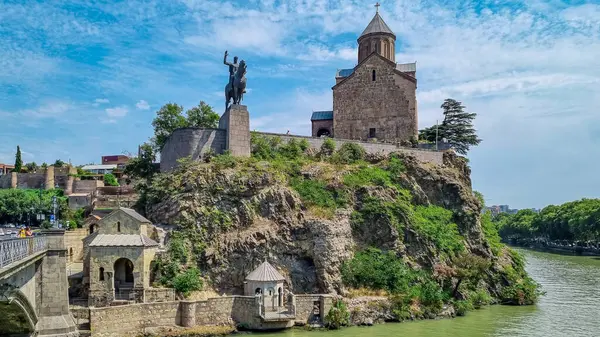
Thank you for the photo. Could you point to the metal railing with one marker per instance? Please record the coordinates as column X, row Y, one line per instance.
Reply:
column 13, row 250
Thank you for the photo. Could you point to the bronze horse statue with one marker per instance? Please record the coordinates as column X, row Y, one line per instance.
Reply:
column 239, row 86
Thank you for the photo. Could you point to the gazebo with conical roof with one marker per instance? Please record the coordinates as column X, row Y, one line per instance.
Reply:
column 268, row 282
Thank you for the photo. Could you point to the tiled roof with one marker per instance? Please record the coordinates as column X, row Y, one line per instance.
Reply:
column 344, row 72
column 265, row 273
column 134, row 214
column 321, row 115
column 406, row 67
column 377, row 25
column 122, row 240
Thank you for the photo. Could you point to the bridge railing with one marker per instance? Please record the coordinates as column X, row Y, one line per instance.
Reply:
column 13, row 250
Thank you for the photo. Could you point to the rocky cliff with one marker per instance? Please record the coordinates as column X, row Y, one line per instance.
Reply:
column 310, row 216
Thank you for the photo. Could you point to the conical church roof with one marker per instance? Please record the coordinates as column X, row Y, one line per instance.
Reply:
column 266, row 273
column 377, row 25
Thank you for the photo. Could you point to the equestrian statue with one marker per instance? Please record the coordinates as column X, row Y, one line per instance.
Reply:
column 236, row 87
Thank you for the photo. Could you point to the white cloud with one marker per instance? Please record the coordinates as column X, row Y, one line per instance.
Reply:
column 101, row 100
column 142, row 105
column 48, row 110
column 117, row 111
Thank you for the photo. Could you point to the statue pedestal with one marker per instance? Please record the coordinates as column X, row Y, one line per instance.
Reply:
column 236, row 123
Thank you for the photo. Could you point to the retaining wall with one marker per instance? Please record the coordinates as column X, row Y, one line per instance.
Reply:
column 132, row 319
column 194, row 142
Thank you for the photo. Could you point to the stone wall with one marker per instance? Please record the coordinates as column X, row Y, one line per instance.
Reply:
column 322, row 124
column 423, row 155
column 305, row 307
column 183, row 142
column 79, row 200
column 74, row 244
column 5, row 180
column 86, row 186
column 192, row 142
column 159, row 295
column 386, row 104
column 131, row 320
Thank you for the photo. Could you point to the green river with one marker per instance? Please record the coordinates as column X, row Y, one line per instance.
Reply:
column 571, row 307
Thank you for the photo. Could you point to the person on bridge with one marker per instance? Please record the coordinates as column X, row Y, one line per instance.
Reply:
column 28, row 232
column 22, row 232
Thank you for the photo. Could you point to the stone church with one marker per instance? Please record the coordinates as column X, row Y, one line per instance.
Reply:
column 375, row 100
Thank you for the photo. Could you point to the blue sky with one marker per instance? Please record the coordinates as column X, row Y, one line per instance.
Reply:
column 81, row 79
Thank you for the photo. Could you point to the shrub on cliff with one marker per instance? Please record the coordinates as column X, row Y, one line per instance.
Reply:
column 188, row 281
column 435, row 223
column 338, row 316
column 328, row 147
column 349, row 153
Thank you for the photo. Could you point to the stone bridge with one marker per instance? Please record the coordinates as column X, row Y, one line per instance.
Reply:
column 33, row 287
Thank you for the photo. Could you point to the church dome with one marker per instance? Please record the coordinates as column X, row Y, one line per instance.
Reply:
column 377, row 38
column 377, row 26
column 265, row 273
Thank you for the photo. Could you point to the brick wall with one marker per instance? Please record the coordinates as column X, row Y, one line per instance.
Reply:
column 159, row 295
column 191, row 142
column 387, row 104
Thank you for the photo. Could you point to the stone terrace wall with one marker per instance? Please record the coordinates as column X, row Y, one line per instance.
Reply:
column 194, row 142
column 423, row 155
column 191, row 142
column 131, row 320
column 86, row 186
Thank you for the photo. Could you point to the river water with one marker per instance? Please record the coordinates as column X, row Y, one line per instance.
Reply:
column 571, row 307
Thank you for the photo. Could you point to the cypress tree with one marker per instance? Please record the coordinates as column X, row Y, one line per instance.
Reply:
column 18, row 160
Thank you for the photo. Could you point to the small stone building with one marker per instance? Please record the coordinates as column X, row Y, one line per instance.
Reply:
column 268, row 282
column 117, row 258
column 377, row 98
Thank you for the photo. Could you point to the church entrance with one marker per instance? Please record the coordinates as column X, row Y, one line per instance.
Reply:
column 123, row 279
column 323, row 133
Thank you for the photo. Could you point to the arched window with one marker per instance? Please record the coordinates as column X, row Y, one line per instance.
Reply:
column 374, row 75
column 92, row 228
column 101, row 274
column 118, row 226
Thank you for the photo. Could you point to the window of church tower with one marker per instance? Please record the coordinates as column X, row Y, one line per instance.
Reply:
column 101, row 274
column 118, row 226
column 374, row 76
column 372, row 132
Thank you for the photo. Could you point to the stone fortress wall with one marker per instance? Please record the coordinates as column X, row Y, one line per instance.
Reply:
column 194, row 142
column 133, row 319
column 46, row 179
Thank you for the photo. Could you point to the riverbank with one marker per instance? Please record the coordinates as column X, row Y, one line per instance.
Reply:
column 568, row 309
column 557, row 247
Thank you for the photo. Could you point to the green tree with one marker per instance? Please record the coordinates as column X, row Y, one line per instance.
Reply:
column 457, row 127
column 202, row 116
column 44, row 166
column 18, row 160
column 142, row 166
column 110, row 180
column 59, row 163
column 168, row 119
column 31, row 167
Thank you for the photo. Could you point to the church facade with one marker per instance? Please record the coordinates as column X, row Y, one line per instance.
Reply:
column 376, row 100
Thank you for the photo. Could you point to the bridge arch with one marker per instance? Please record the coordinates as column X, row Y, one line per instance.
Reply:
column 18, row 315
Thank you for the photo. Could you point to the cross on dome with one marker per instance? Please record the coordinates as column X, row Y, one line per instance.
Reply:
column 377, row 7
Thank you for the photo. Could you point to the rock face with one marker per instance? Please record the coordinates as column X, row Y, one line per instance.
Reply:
column 237, row 217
